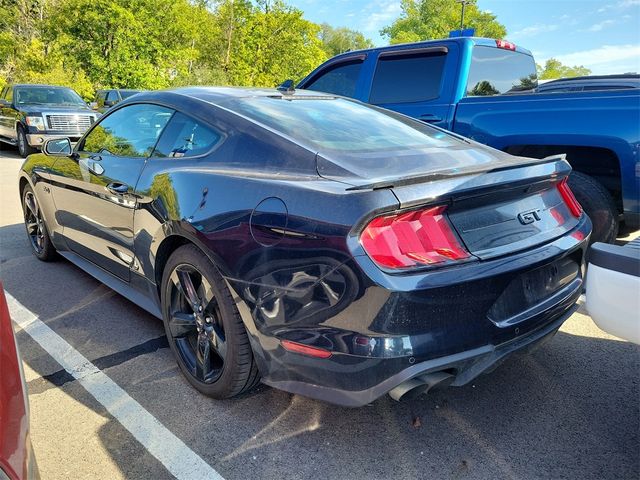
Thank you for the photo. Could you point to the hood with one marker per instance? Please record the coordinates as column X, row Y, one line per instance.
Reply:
column 388, row 168
column 65, row 109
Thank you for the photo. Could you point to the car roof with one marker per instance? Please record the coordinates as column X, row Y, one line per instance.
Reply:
column 217, row 95
column 587, row 78
column 603, row 81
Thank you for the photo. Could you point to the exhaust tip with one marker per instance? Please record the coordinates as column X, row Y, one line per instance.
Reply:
column 416, row 386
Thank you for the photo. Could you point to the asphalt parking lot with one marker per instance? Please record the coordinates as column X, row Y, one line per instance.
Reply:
column 571, row 409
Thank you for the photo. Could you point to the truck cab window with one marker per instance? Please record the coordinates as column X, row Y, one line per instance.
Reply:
column 495, row 71
column 339, row 79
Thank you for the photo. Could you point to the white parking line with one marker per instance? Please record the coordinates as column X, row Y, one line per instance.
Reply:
column 176, row 457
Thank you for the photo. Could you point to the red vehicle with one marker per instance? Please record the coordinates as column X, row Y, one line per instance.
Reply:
column 17, row 460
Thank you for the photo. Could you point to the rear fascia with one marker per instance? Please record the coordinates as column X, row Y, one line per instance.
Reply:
column 399, row 321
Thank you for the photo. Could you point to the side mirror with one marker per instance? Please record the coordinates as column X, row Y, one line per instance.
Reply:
column 4, row 103
column 57, row 147
column 109, row 103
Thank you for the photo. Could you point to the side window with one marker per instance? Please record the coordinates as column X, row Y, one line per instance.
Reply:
column 112, row 96
column 340, row 79
column 9, row 94
column 131, row 131
column 407, row 78
column 185, row 137
column 100, row 97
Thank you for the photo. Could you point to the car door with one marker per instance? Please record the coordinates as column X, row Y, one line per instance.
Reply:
column 94, row 190
column 413, row 81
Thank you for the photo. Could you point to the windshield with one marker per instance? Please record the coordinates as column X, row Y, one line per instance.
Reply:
column 328, row 123
column 127, row 93
column 47, row 96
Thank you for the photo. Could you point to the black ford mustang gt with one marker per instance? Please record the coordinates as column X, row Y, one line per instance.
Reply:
column 323, row 246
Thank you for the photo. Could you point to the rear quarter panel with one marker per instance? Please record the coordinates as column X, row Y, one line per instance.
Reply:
column 271, row 225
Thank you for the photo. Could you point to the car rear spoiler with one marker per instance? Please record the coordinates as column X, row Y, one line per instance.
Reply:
column 446, row 175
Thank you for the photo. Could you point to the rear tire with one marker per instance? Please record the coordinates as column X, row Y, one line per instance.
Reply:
column 24, row 149
column 210, row 343
column 598, row 205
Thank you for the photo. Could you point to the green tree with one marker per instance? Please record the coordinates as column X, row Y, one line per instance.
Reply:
column 555, row 69
column 274, row 43
column 119, row 43
column 431, row 19
column 341, row 39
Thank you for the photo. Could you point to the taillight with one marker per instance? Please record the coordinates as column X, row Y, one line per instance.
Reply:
column 567, row 195
column 410, row 239
column 506, row 45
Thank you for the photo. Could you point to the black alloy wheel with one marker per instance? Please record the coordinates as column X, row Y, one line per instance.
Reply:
column 195, row 323
column 36, row 228
column 204, row 328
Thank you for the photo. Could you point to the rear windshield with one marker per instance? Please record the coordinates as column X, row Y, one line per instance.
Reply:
column 340, row 124
column 496, row 71
column 47, row 96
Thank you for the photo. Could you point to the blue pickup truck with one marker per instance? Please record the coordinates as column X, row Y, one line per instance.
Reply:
column 484, row 89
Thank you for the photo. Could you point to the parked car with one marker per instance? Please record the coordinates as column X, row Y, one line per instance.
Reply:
column 613, row 289
column 17, row 460
column 591, row 83
column 105, row 99
column 328, row 247
column 484, row 90
column 31, row 114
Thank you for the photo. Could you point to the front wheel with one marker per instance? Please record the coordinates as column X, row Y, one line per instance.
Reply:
column 204, row 328
column 24, row 149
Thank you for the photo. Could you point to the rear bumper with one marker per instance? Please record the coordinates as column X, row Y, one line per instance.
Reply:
column 384, row 329
column 465, row 366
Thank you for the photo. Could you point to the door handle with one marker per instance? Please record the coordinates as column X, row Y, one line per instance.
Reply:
column 118, row 188
column 430, row 117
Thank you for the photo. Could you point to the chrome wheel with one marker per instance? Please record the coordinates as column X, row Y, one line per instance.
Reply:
column 34, row 223
column 195, row 323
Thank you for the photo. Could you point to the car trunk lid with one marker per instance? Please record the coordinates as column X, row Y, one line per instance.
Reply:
column 496, row 207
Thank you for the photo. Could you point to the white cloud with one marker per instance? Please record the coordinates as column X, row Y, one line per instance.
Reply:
column 599, row 26
column 622, row 4
column 379, row 14
column 534, row 30
column 604, row 60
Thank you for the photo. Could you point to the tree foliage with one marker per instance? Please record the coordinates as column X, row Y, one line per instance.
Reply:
column 555, row 69
column 340, row 40
column 431, row 19
column 150, row 44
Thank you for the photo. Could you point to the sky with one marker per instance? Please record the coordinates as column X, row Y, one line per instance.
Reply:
column 602, row 35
